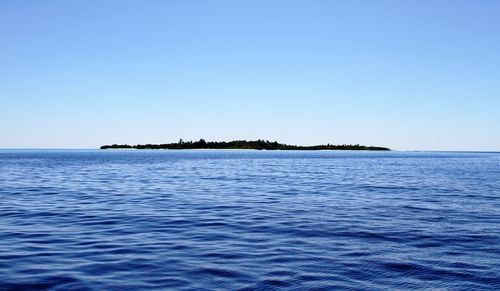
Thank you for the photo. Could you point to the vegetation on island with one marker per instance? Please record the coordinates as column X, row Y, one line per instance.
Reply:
column 243, row 144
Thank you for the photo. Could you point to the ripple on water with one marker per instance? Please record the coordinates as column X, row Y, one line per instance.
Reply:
column 248, row 220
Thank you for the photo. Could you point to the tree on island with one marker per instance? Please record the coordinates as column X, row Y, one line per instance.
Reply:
column 243, row 144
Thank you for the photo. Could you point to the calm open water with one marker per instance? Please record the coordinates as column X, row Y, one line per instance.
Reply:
column 256, row 220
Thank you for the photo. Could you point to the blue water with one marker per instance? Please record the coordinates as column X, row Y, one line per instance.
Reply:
column 252, row 220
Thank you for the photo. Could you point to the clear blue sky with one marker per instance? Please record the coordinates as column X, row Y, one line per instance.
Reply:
column 408, row 74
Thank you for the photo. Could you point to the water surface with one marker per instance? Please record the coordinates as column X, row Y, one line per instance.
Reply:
column 256, row 220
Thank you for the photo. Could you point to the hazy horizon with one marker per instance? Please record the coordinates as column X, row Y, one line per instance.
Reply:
column 412, row 75
column 133, row 149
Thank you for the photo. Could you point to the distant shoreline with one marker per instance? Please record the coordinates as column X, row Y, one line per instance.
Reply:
column 242, row 145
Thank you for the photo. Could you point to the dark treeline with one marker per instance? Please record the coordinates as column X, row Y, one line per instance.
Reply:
column 242, row 144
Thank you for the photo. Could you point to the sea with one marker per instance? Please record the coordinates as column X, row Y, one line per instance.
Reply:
column 249, row 220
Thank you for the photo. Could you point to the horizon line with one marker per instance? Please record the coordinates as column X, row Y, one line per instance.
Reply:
column 98, row 149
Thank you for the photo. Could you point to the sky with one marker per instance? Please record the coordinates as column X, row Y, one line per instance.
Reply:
column 409, row 75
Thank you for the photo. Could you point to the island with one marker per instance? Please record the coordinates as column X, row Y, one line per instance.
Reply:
column 242, row 144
